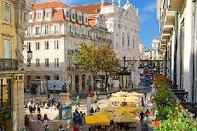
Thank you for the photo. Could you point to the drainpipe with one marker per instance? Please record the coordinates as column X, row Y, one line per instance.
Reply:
column 194, row 75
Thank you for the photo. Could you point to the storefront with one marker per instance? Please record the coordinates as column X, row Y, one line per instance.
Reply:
column 5, row 104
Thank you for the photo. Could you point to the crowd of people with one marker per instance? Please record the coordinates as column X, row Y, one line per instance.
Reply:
column 34, row 110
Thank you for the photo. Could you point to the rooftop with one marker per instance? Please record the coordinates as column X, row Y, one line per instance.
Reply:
column 91, row 8
column 50, row 4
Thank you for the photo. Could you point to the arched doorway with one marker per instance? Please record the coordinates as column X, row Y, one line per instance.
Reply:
column 77, row 84
column 83, row 81
column 89, row 83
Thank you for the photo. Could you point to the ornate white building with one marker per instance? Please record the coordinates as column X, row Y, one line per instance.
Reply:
column 122, row 20
column 55, row 32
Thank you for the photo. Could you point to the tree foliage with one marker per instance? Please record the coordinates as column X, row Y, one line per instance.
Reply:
column 86, row 58
column 172, row 115
column 96, row 59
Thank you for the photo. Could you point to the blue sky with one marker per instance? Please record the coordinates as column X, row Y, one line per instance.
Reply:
column 147, row 11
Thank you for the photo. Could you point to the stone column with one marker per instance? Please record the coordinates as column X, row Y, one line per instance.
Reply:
column 18, row 102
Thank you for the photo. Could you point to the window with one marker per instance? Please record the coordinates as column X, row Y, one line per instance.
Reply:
column 28, row 46
column 47, row 77
column 7, row 48
column 37, row 77
column 47, row 62
column 37, row 30
column 128, row 39
column 123, row 40
column 68, row 14
column 46, row 29
column 7, row 13
column 37, row 45
column 47, row 14
column 56, row 77
column 56, row 44
column 47, row 45
column 56, row 30
column 38, row 15
column 56, row 62
column 37, row 62
column 30, row 16
column 133, row 43
column 73, row 16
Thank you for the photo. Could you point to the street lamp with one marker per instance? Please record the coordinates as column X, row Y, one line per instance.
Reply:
column 124, row 72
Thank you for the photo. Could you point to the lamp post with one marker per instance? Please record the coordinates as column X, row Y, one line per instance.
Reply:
column 124, row 72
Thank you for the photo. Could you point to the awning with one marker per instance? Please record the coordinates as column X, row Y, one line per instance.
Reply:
column 100, row 118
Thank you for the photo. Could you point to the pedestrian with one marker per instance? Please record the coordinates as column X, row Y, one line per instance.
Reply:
column 58, row 105
column 91, row 110
column 26, row 121
column 38, row 109
column 45, row 117
column 39, row 117
column 78, row 100
column 61, row 128
column 141, row 116
column 145, row 94
column 46, row 128
column 75, row 128
column 34, row 108
column 97, row 109
column 76, row 117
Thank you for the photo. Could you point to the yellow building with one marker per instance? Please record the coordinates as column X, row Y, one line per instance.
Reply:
column 11, row 80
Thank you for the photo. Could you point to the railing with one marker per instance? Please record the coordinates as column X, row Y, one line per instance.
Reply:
column 8, row 64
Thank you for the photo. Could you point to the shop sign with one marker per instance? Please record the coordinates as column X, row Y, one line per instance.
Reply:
column 66, row 112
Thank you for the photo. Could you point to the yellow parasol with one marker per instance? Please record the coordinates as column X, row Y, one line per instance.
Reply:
column 100, row 118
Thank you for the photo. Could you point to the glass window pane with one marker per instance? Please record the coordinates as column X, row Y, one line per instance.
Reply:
column 7, row 13
column 7, row 49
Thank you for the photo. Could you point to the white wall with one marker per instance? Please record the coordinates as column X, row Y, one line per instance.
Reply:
column 187, row 83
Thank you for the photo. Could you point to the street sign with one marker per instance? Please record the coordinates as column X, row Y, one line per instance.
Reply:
column 66, row 112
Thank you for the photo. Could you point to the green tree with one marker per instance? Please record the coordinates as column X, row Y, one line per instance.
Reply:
column 86, row 58
column 107, row 62
column 96, row 59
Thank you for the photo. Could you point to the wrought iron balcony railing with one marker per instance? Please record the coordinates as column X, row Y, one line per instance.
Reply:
column 8, row 64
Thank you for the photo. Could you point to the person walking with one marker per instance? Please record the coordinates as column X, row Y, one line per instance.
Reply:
column 46, row 128
column 27, row 121
column 61, row 128
column 39, row 117
column 38, row 109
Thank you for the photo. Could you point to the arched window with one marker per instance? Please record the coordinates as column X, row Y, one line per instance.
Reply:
column 128, row 40
column 123, row 40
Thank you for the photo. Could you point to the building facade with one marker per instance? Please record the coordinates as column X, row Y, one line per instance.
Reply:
column 124, row 24
column 177, row 20
column 141, row 50
column 12, row 15
column 156, row 55
column 54, row 34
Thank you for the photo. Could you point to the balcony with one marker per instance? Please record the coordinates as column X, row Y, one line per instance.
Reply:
column 165, row 36
column 8, row 64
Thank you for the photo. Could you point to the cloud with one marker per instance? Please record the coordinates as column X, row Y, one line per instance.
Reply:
column 150, row 8
column 147, row 12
